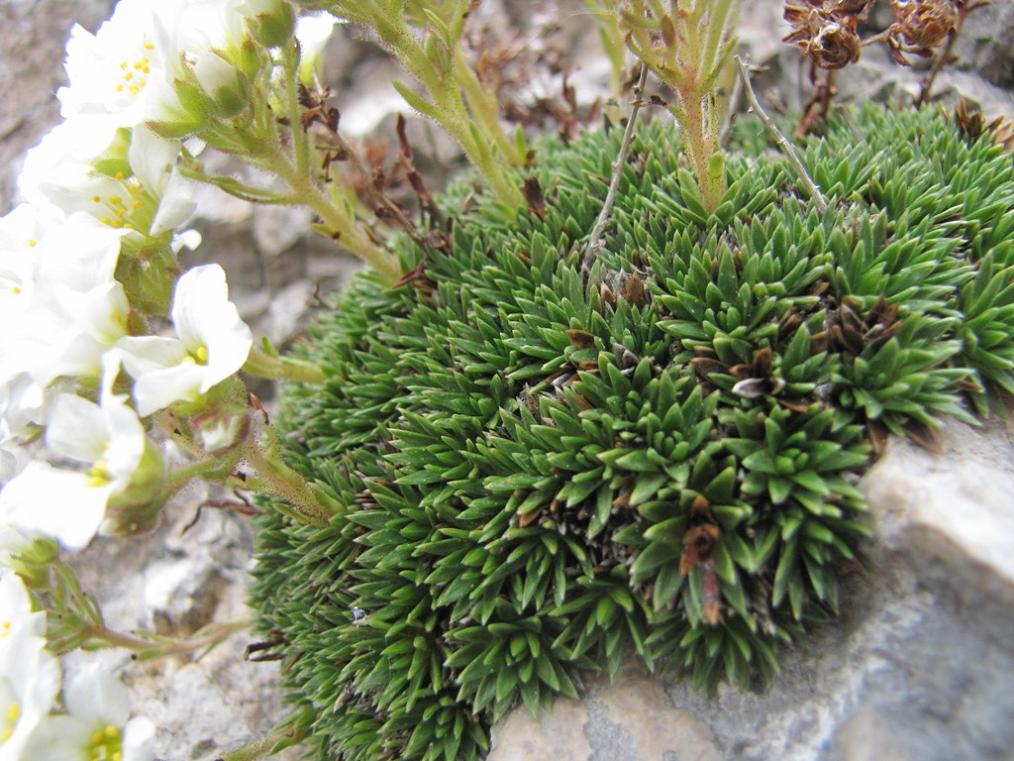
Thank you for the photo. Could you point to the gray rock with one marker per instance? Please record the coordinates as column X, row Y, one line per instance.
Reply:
column 32, row 36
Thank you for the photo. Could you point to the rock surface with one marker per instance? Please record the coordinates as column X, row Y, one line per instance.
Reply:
column 918, row 668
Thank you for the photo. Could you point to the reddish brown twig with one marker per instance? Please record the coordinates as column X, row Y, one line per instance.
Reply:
column 946, row 55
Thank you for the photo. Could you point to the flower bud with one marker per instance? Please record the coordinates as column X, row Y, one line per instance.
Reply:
column 313, row 31
column 136, row 509
column 271, row 22
column 222, row 83
column 249, row 58
column 179, row 109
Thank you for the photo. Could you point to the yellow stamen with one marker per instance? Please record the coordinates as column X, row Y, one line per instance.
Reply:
column 119, row 175
column 98, row 475
column 6, row 735
column 128, row 75
column 13, row 712
column 96, row 199
column 112, row 731
column 116, row 200
column 32, row 243
column 124, row 64
column 202, row 354
column 149, row 46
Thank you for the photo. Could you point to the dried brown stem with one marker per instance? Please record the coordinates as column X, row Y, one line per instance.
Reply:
column 945, row 55
column 594, row 244
column 819, row 105
column 783, row 142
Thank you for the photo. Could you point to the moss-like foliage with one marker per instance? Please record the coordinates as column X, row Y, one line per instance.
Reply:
column 532, row 478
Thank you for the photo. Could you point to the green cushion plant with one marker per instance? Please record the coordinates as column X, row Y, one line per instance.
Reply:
column 535, row 473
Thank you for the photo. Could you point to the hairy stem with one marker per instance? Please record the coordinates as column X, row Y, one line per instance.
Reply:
column 274, row 367
column 262, row 747
column 300, row 140
column 484, row 107
column 146, row 649
column 343, row 226
column 279, row 479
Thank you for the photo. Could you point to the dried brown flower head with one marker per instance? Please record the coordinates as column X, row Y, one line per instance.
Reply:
column 920, row 26
column 849, row 7
column 825, row 31
column 973, row 125
column 851, row 331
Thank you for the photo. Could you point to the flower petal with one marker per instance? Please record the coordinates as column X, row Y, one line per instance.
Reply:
column 77, row 429
column 58, row 503
column 97, row 696
column 145, row 354
column 160, row 388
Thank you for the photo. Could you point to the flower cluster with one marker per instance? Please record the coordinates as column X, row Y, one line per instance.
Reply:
column 88, row 262
column 94, row 720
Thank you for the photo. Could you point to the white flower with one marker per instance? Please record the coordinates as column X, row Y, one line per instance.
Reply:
column 29, row 683
column 59, row 170
column 313, row 30
column 144, row 196
column 153, row 161
column 24, row 402
column 12, row 543
column 212, row 344
column 20, row 233
column 63, row 504
column 8, row 464
column 95, row 726
column 221, row 432
column 109, row 439
column 16, row 610
column 69, row 309
column 70, row 505
column 111, row 72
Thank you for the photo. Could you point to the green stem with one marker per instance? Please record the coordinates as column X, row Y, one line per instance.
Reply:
column 286, row 484
column 483, row 159
column 262, row 747
column 300, row 140
column 484, row 107
column 306, row 190
column 265, row 365
column 234, row 187
column 159, row 647
column 694, row 120
column 448, row 105
column 183, row 475
column 112, row 638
